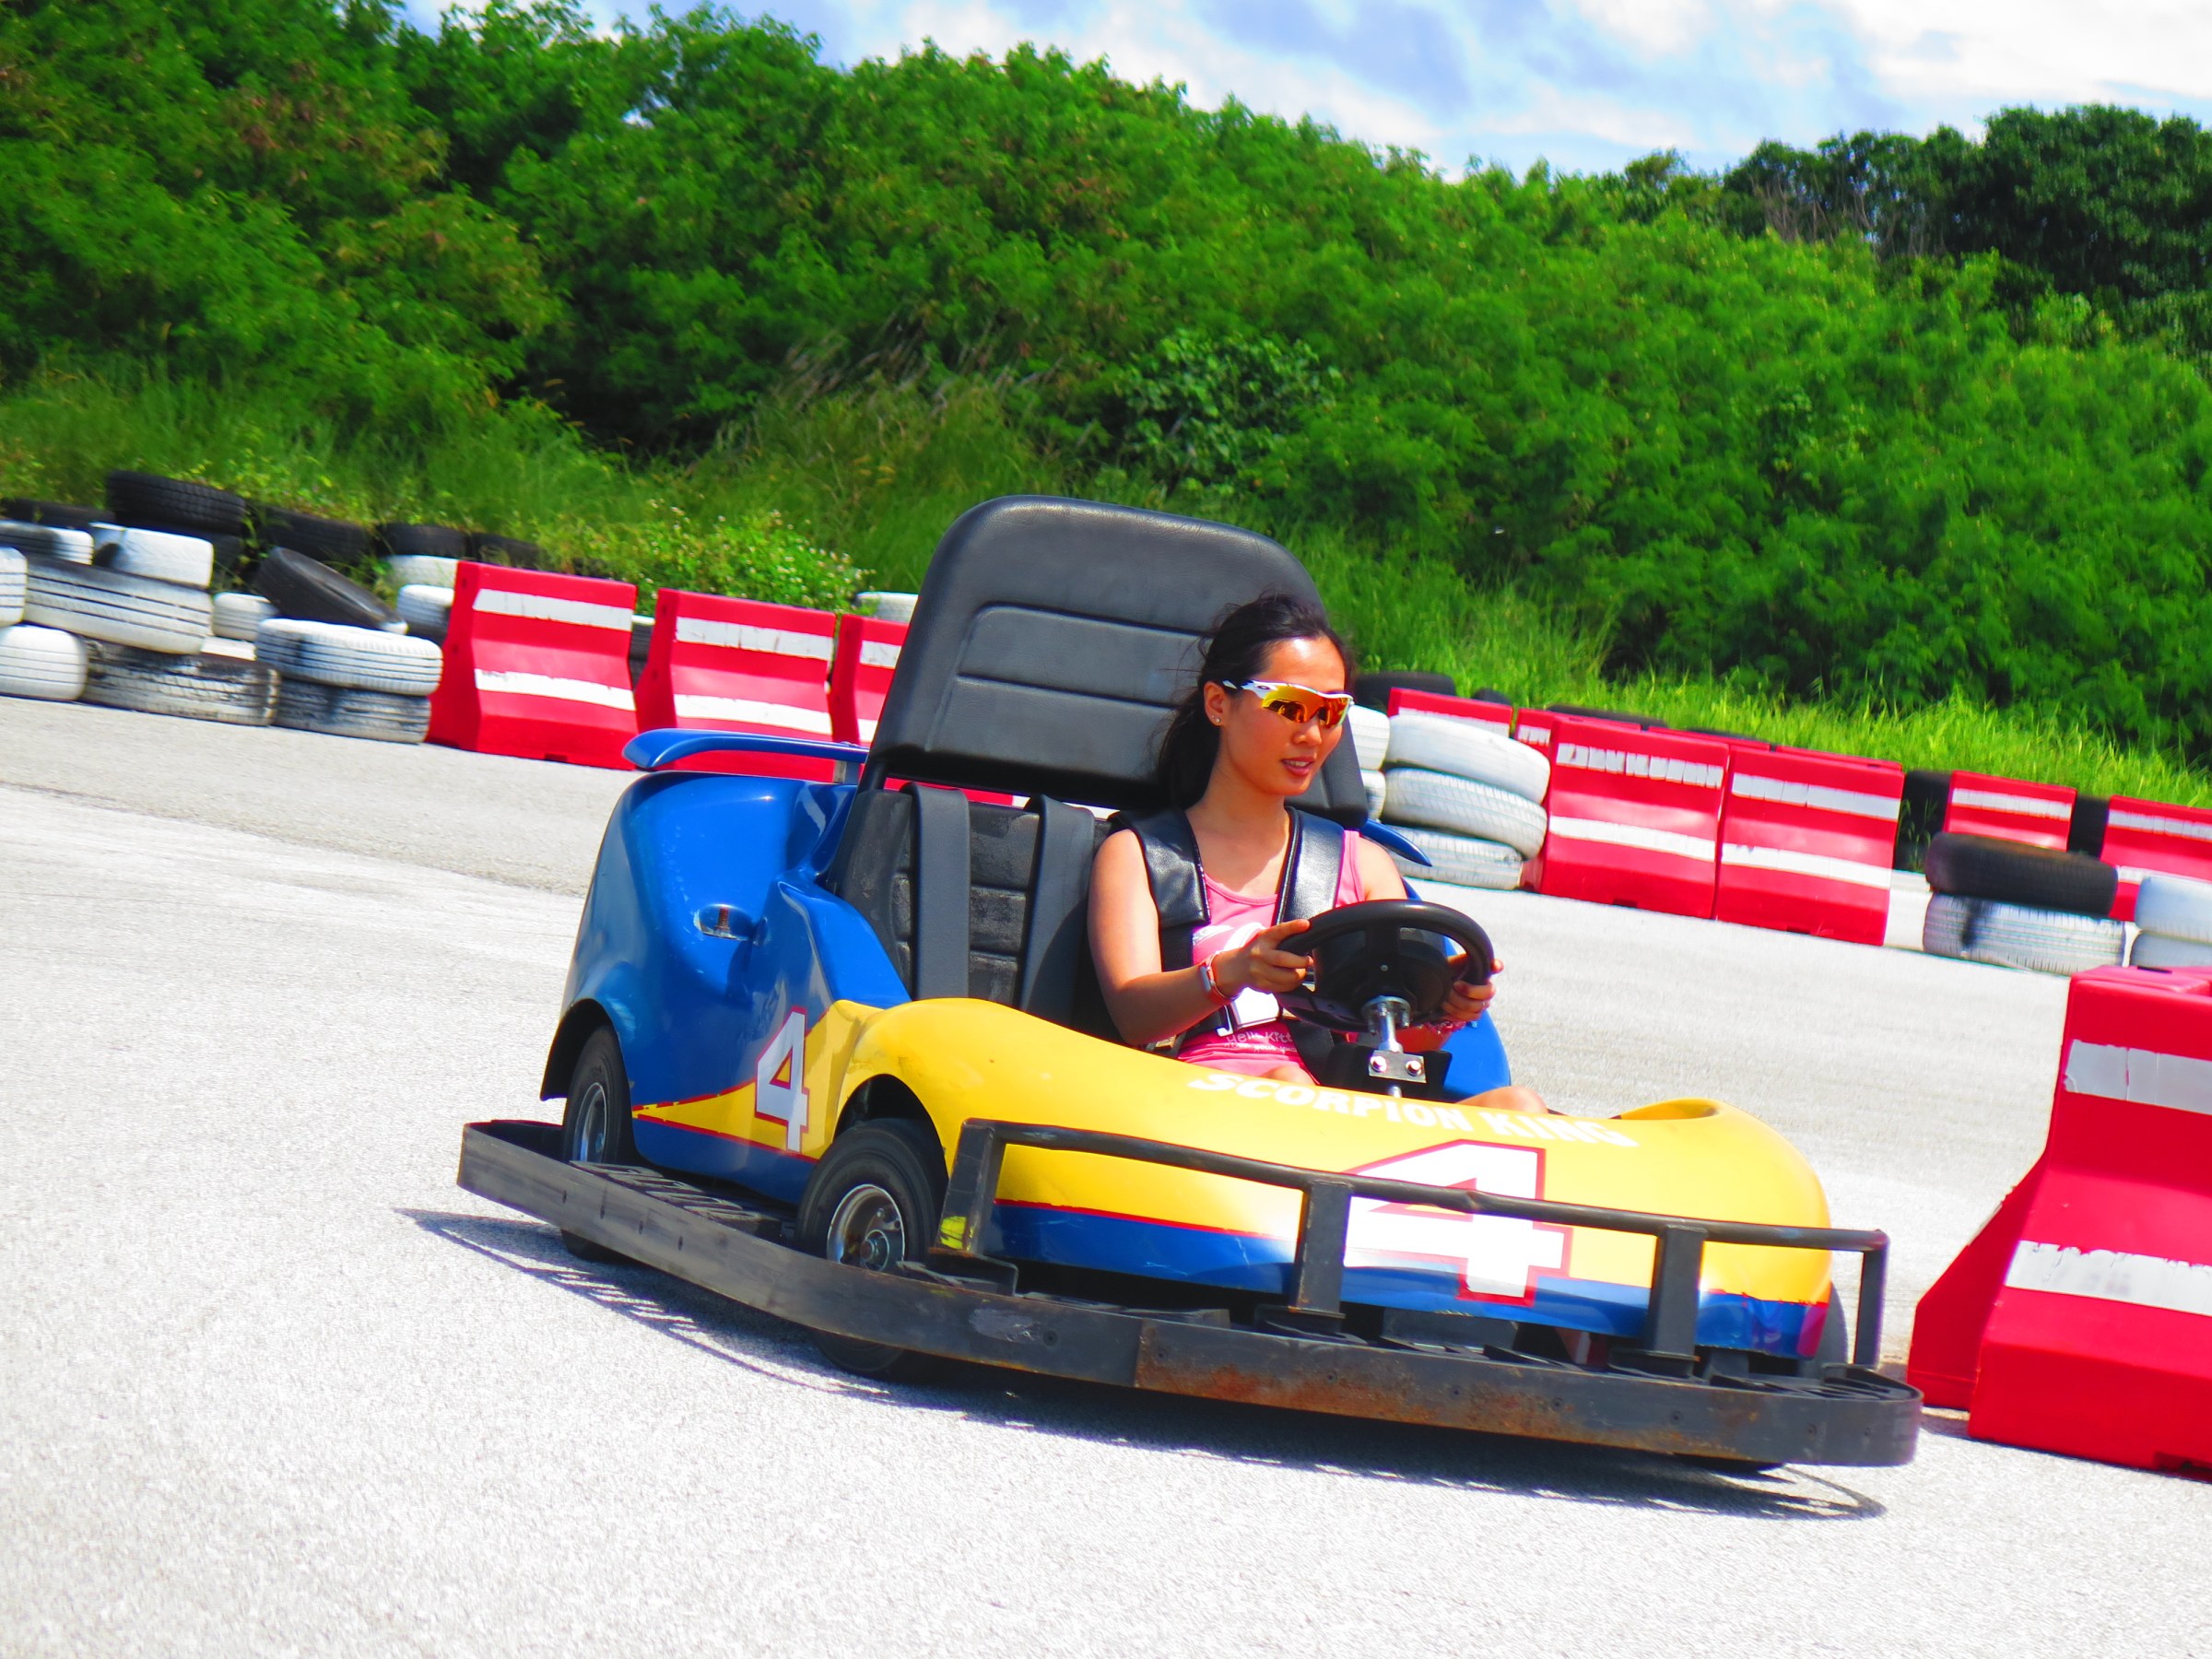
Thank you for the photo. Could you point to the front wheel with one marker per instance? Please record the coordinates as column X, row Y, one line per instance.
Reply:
column 596, row 1123
column 873, row 1202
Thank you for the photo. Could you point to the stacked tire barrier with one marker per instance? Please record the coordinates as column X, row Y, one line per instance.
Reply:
column 1368, row 731
column 2020, row 906
column 351, row 682
column 2173, row 922
column 1468, row 796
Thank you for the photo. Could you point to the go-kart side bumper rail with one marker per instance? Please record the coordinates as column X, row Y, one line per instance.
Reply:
column 1846, row 1415
column 1670, row 1326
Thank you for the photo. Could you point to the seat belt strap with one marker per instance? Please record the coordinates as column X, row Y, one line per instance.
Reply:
column 1177, row 878
column 1056, row 932
column 941, row 892
column 1313, row 867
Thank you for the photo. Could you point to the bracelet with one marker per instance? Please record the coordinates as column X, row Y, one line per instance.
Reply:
column 1206, row 978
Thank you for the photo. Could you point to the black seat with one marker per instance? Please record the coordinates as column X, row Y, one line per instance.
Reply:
column 1050, row 641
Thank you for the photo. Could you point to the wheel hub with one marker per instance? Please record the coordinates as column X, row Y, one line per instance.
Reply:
column 866, row 1229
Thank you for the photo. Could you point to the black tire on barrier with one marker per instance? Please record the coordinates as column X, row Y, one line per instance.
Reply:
column 423, row 541
column 1373, row 690
column 328, row 541
column 875, row 1199
column 488, row 548
column 307, row 589
column 2084, row 829
column 1927, row 796
column 595, row 1124
column 54, row 515
column 153, row 501
column 1980, row 867
column 1579, row 711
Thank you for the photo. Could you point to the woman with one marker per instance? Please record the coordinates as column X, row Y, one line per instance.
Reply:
column 1266, row 710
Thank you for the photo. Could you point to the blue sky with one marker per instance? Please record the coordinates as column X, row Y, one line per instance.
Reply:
column 1583, row 84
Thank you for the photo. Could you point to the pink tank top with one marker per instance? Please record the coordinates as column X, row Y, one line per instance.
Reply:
column 1261, row 1039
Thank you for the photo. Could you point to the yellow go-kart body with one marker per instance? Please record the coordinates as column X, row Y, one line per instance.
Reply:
column 963, row 1060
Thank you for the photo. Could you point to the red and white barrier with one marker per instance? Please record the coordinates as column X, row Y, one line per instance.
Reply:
column 2148, row 838
column 860, row 678
column 2081, row 1320
column 536, row 664
column 2037, row 815
column 1495, row 716
column 738, row 666
column 1806, row 840
column 1635, row 817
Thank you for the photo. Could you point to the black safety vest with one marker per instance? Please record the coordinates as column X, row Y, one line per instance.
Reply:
column 1312, row 863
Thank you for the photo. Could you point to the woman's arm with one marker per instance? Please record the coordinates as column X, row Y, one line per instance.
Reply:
column 1147, row 1002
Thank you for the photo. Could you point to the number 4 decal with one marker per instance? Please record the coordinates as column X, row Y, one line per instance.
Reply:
column 780, row 1080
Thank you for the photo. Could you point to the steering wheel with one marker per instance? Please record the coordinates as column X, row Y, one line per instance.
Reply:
column 1383, row 948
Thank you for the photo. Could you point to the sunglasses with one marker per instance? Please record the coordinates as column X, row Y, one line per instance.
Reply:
column 1299, row 704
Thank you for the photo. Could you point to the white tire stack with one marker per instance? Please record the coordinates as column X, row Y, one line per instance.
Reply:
column 422, row 569
column 1469, row 797
column 426, row 609
column 12, row 568
column 239, row 616
column 157, row 554
column 1368, row 730
column 231, row 691
column 2173, row 922
column 118, row 607
column 351, row 682
column 43, row 663
column 44, row 541
column 2020, row 935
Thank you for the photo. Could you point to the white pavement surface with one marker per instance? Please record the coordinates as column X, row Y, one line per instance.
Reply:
column 269, row 1383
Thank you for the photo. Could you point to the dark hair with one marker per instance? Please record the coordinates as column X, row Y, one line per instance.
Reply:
column 1234, row 652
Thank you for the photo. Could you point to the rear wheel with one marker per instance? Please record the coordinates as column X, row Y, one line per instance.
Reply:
column 873, row 1202
column 594, row 1122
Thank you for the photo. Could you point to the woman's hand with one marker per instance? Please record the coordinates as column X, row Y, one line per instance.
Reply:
column 1465, row 1004
column 1263, row 963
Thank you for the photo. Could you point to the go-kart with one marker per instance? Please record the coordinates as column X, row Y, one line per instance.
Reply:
column 836, row 1049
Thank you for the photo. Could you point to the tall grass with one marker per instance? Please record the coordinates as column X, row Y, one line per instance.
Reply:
column 833, row 486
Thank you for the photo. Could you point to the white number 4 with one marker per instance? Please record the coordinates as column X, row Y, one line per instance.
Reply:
column 780, row 1080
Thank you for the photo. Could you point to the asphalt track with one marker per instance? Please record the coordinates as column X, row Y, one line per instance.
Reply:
column 269, row 1383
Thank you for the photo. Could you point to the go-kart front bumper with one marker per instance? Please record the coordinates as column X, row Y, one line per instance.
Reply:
column 1663, row 1396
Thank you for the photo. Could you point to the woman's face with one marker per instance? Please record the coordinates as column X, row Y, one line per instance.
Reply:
column 1261, row 747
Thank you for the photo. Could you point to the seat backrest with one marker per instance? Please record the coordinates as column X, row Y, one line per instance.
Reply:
column 1051, row 637
column 1014, row 929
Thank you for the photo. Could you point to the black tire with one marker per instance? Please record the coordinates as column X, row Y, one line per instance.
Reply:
column 1373, row 690
column 1726, row 737
column 1980, row 867
column 423, row 541
column 54, row 515
column 641, row 646
column 879, row 1190
column 304, row 588
column 1928, row 797
column 1490, row 694
column 329, row 541
column 2085, row 830
column 151, row 501
column 488, row 548
column 1581, row 711
column 595, row 1126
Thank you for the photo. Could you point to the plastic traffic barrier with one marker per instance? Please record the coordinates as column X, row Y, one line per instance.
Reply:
column 1496, row 714
column 860, row 676
column 536, row 664
column 2037, row 815
column 1635, row 817
column 1805, row 843
column 740, row 665
column 2080, row 1319
column 2149, row 838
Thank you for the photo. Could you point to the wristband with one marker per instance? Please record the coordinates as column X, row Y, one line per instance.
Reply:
column 1206, row 978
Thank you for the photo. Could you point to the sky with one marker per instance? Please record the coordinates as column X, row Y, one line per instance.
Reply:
column 1584, row 84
